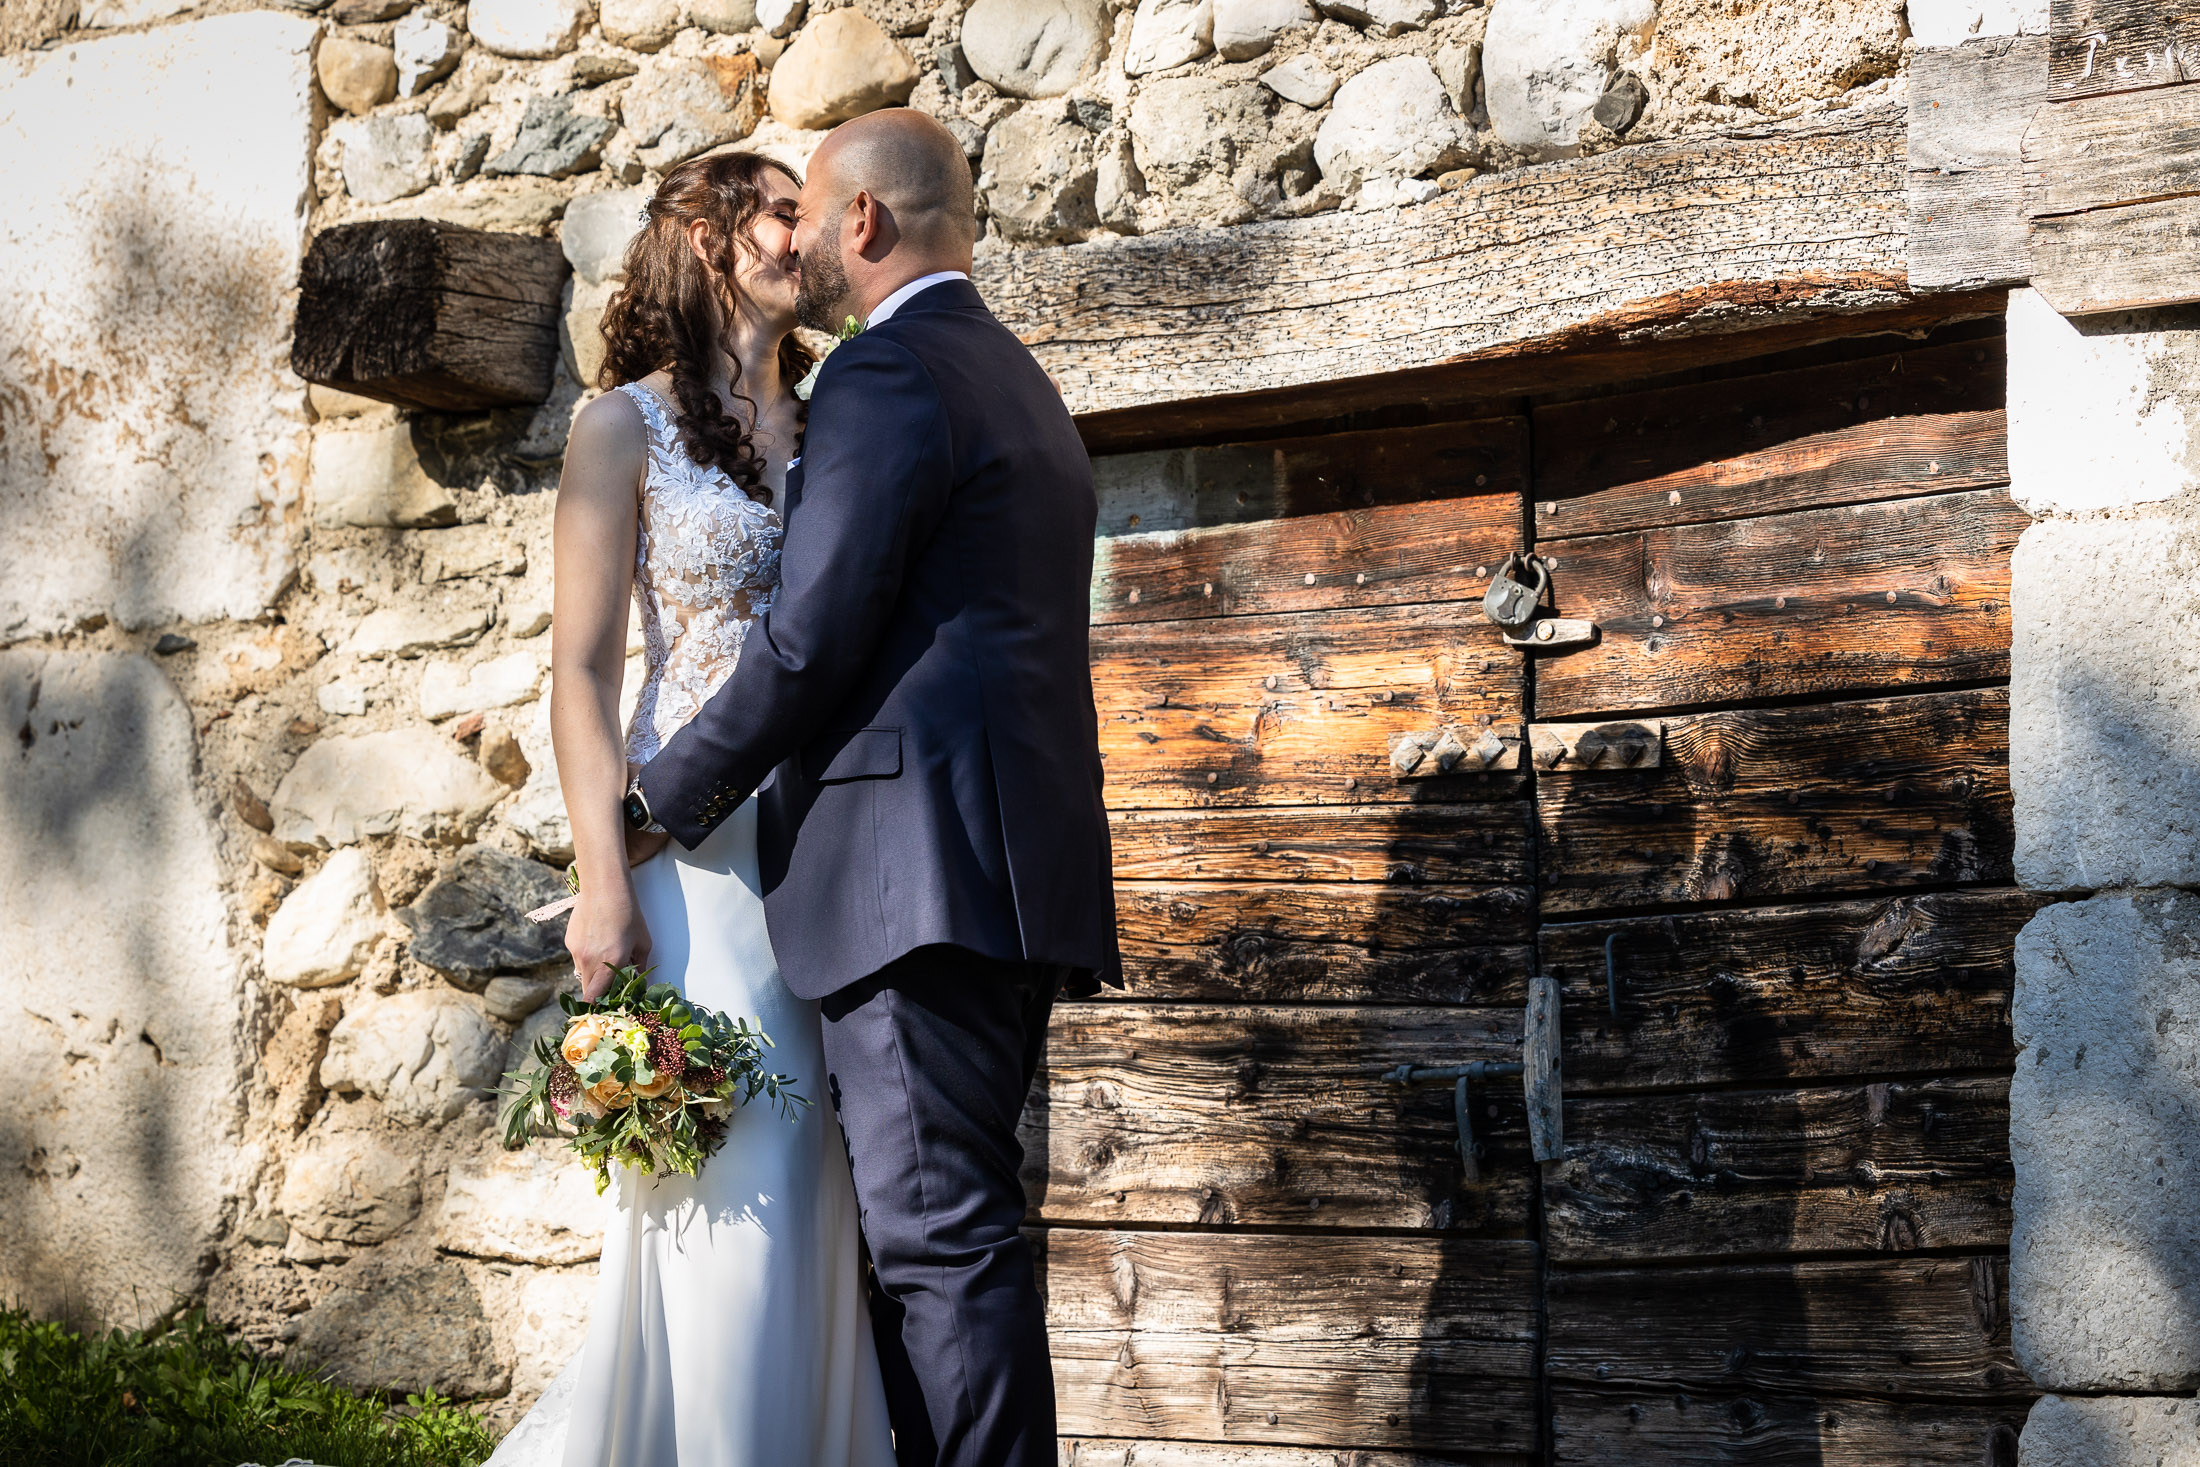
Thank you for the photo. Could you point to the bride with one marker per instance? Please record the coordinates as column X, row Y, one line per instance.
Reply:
column 730, row 1327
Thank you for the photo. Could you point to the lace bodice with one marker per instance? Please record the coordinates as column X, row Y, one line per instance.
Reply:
column 706, row 563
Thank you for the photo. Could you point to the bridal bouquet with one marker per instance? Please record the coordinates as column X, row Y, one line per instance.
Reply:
column 643, row 1078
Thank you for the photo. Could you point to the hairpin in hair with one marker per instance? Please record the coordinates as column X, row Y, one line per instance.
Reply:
column 641, row 215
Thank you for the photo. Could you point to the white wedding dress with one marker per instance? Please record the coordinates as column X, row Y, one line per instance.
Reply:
column 730, row 1327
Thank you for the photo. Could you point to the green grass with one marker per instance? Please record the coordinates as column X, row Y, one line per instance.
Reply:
column 186, row 1395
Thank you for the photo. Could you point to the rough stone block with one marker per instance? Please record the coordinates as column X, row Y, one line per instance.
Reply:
column 471, row 922
column 161, row 167
column 411, row 781
column 1166, row 33
column 426, row 1055
column 2104, row 1130
column 350, row 1187
column 448, row 689
column 1390, row 121
column 125, row 1044
column 596, row 230
column 2104, row 750
column 842, row 65
column 679, row 106
column 409, row 630
column 2104, row 411
column 470, row 550
column 1546, row 62
column 532, row 29
column 391, row 1324
column 532, row 1206
column 370, row 477
column 325, row 931
column 2111, row 1431
column 1035, row 48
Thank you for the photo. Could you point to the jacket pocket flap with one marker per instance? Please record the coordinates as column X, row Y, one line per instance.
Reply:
column 867, row 753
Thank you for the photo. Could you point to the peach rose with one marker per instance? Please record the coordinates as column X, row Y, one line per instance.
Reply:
column 656, row 1087
column 583, row 1035
column 608, row 1095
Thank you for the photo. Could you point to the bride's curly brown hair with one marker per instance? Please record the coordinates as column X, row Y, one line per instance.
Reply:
column 668, row 313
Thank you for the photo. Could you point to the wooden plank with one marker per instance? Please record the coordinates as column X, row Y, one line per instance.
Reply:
column 1885, row 459
column 1666, row 1428
column 429, row 315
column 2100, row 46
column 1702, row 235
column 1494, row 379
column 2118, row 259
column 1396, row 555
column 1783, row 802
column 1968, row 107
column 1295, row 710
column 1822, row 602
column 1488, row 844
column 1881, row 1168
column 2106, row 151
column 1246, row 483
column 1323, row 1340
column 1191, row 1114
column 1882, row 986
column 1325, row 942
column 1722, row 445
column 1890, row 1328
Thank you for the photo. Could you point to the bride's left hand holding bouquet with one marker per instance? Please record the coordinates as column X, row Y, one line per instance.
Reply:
column 643, row 1079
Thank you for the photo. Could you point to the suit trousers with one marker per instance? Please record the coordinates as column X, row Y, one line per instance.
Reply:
column 928, row 1062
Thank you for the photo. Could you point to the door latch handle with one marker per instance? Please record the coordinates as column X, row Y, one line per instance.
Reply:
column 1537, row 1070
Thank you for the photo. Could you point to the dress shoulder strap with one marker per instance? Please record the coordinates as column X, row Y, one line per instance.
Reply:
column 656, row 412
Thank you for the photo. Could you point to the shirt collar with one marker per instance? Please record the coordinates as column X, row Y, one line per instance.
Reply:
column 899, row 298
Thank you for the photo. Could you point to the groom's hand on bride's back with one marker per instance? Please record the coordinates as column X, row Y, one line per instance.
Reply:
column 606, row 931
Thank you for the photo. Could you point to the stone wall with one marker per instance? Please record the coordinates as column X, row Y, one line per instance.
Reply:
column 2104, row 447
column 272, row 661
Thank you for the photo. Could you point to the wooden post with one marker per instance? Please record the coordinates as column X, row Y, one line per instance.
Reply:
column 430, row 315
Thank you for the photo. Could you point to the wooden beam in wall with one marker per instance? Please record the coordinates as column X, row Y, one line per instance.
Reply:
column 2112, row 184
column 2096, row 47
column 1699, row 238
column 1969, row 106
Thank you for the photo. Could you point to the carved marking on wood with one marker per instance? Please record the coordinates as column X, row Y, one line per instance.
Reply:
column 2098, row 46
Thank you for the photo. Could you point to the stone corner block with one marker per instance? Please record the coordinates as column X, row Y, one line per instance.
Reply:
column 2104, row 411
column 2104, row 1132
column 2111, row 1431
column 2104, row 672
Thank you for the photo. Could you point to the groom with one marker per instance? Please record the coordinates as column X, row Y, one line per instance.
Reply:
column 934, row 850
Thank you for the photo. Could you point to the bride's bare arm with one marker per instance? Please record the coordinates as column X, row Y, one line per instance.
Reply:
column 594, row 545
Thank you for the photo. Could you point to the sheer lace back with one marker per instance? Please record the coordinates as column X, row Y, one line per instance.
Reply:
column 706, row 563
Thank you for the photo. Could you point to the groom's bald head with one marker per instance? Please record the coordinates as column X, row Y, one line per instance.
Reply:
column 913, row 167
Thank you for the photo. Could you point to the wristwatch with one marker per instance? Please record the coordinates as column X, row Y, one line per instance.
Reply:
column 635, row 807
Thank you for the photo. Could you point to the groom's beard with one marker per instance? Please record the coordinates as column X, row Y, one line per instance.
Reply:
column 824, row 287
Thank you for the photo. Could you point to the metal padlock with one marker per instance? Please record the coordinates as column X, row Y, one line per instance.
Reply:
column 1510, row 603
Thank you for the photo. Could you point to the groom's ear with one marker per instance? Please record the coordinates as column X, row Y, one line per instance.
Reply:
column 871, row 232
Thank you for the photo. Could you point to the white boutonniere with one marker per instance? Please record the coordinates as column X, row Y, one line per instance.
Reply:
column 850, row 329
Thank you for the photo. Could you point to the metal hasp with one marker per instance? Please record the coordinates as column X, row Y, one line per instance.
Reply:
column 1554, row 632
column 1538, row 1073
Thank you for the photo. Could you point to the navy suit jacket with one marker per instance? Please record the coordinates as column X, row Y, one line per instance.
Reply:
column 922, row 680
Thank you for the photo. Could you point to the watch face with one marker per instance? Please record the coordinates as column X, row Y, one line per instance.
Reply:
column 637, row 814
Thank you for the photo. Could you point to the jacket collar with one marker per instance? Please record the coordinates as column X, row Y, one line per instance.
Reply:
column 948, row 295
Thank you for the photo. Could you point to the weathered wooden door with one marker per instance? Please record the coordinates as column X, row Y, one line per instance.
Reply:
column 1781, row 1227
column 1778, row 1231
column 1250, row 1237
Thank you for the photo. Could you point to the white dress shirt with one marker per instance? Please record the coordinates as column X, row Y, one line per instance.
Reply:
column 893, row 303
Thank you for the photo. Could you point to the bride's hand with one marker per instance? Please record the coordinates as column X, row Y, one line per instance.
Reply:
column 606, row 932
